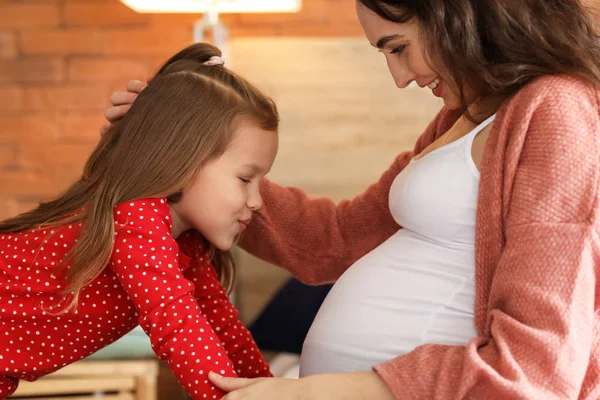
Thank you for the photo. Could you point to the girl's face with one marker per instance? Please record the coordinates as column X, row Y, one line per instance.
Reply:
column 220, row 199
column 401, row 45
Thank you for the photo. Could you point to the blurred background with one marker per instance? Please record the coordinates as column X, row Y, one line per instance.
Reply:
column 342, row 119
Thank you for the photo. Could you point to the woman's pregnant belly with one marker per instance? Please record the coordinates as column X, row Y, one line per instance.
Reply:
column 407, row 292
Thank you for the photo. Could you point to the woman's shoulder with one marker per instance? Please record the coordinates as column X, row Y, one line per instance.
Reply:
column 552, row 127
column 553, row 105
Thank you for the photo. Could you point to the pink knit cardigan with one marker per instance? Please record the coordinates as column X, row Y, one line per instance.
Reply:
column 537, row 252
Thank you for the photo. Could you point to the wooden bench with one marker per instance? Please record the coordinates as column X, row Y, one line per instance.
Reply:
column 106, row 380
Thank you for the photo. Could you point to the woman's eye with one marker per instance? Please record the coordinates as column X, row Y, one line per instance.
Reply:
column 245, row 180
column 398, row 50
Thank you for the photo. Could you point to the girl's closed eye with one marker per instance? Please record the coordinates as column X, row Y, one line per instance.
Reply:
column 398, row 49
column 246, row 181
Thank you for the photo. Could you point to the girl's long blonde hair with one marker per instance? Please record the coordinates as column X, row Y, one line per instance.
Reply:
column 182, row 119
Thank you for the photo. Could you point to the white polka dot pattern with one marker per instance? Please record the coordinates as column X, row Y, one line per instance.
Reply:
column 186, row 313
column 221, row 314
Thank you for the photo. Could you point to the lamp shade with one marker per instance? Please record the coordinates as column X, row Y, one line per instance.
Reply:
column 220, row 6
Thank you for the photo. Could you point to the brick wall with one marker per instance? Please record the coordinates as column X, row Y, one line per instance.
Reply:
column 60, row 60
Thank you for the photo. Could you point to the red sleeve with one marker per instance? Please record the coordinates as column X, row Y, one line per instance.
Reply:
column 146, row 261
column 216, row 307
column 317, row 240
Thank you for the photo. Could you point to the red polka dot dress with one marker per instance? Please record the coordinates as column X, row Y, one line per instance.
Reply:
column 175, row 298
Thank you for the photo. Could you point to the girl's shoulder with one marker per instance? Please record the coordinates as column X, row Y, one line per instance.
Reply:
column 157, row 206
column 143, row 213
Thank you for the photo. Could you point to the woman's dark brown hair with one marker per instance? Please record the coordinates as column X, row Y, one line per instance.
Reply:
column 495, row 47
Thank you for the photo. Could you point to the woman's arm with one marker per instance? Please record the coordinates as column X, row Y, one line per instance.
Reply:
column 317, row 240
column 347, row 386
column 314, row 238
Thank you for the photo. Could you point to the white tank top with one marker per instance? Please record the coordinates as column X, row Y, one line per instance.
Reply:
column 418, row 286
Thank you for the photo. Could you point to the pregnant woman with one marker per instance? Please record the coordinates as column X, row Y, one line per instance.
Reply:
column 469, row 270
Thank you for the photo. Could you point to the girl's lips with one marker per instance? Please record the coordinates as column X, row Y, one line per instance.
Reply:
column 244, row 224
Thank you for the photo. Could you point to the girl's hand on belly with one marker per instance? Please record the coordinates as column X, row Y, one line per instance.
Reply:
column 346, row 386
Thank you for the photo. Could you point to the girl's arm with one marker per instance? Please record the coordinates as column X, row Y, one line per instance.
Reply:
column 146, row 262
column 216, row 307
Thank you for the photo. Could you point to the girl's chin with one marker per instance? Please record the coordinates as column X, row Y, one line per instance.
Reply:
column 225, row 244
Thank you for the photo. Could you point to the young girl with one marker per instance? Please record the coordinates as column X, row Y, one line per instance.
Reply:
column 82, row 270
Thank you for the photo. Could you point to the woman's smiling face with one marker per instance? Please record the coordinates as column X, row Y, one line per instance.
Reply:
column 404, row 53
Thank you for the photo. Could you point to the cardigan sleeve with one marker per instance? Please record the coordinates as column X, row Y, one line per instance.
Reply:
column 541, row 309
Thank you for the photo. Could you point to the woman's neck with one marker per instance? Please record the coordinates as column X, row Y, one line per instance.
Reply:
column 484, row 107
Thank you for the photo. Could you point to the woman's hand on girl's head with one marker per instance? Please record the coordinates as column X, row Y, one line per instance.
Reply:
column 121, row 103
column 346, row 386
